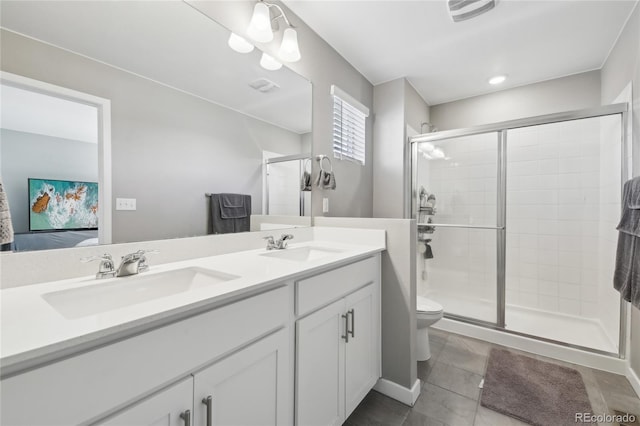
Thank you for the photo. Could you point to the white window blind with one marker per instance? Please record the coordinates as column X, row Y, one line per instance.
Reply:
column 349, row 118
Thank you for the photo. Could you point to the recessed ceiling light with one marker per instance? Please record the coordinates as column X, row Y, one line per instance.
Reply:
column 497, row 79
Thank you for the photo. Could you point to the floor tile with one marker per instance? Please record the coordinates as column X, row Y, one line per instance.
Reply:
column 457, row 356
column 445, row 406
column 598, row 404
column 418, row 419
column 424, row 369
column 377, row 409
column 472, row 345
column 456, row 380
column 434, row 332
column 487, row 417
column 615, row 383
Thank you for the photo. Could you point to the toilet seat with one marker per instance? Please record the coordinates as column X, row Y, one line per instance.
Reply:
column 428, row 306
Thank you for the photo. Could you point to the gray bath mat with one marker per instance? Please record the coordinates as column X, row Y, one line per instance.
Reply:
column 536, row 392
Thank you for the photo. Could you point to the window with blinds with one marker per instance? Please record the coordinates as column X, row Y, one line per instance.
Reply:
column 349, row 118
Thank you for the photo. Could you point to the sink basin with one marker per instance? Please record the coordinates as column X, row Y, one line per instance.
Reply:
column 120, row 292
column 302, row 254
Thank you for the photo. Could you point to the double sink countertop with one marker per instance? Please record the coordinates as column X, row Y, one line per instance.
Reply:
column 45, row 322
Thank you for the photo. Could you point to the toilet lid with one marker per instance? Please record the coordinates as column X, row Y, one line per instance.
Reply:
column 427, row 305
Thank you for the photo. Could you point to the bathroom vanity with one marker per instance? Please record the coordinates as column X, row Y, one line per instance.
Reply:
column 292, row 339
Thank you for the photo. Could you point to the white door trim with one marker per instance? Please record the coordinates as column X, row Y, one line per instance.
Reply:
column 104, row 139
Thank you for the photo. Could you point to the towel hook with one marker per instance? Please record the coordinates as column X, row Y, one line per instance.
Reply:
column 320, row 158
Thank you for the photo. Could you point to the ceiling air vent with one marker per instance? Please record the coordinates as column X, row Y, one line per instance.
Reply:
column 461, row 10
column 263, row 85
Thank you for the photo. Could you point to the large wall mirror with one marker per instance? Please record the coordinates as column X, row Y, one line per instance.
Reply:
column 189, row 117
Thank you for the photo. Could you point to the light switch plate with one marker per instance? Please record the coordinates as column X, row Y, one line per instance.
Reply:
column 325, row 205
column 125, row 203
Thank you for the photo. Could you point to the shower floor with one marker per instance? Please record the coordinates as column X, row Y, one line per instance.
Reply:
column 587, row 332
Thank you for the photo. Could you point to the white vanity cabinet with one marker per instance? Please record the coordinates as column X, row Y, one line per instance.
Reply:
column 251, row 387
column 93, row 386
column 337, row 345
column 170, row 407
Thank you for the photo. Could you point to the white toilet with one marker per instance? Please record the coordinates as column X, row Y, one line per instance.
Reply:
column 428, row 312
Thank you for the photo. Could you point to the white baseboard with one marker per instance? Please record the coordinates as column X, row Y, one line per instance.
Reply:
column 399, row 393
column 633, row 379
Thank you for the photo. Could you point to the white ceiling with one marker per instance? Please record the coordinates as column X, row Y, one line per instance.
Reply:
column 169, row 42
column 529, row 40
column 32, row 112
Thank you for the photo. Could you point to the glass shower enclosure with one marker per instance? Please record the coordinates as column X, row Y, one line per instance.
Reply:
column 516, row 225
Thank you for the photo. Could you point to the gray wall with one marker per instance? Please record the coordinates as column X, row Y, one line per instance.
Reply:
column 323, row 66
column 562, row 94
column 28, row 155
column 623, row 66
column 388, row 157
column 396, row 104
column 168, row 147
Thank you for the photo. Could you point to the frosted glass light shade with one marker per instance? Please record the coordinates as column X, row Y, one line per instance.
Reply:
column 269, row 63
column 260, row 26
column 239, row 44
column 289, row 50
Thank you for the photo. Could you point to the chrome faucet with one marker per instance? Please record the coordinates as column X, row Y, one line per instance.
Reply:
column 134, row 263
column 279, row 244
column 106, row 268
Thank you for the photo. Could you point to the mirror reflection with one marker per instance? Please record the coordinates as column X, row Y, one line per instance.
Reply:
column 190, row 118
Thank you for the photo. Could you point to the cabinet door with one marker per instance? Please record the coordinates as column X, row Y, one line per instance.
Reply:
column 363, row 348
column 162, row 409
column 249, row 387
column 320, row 367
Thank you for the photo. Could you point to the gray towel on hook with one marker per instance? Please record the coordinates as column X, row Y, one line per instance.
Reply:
column 626, row 278
column 305, row 182
column 326, row 180
column 6, row 226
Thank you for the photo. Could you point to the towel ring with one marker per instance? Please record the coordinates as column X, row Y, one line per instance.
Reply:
column 304, row 165
column 320, row 158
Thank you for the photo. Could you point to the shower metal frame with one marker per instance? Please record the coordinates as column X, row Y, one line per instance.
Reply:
column 501, row 129
column 283, row 159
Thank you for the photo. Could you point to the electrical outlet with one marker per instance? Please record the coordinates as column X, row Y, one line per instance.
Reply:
column 325, row 205
column 125, row 203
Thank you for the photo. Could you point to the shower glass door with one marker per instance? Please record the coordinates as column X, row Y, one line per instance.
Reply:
column 563, row 206
column 456, row 185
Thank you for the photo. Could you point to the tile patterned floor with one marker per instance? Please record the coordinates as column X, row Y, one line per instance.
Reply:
column 450, row 395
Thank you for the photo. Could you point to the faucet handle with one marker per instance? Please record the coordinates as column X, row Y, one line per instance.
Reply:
column 284, row 237
column 142, row 255
column 106, row 269
column 87, row 259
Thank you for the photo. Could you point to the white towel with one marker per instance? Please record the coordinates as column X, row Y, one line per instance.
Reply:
column 6, row 227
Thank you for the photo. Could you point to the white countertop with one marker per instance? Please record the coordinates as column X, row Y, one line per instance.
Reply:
column 33, row 332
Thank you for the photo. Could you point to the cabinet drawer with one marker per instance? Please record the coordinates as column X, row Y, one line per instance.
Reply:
column 83, row 388
column 317, row 291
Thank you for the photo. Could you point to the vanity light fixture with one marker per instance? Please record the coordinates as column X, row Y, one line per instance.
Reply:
column 268, row 62
column 260, row 29
column 239, row 44
column 497, row 79
column 260, row 25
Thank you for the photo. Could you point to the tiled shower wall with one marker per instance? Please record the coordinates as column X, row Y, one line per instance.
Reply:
column 553, row 198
